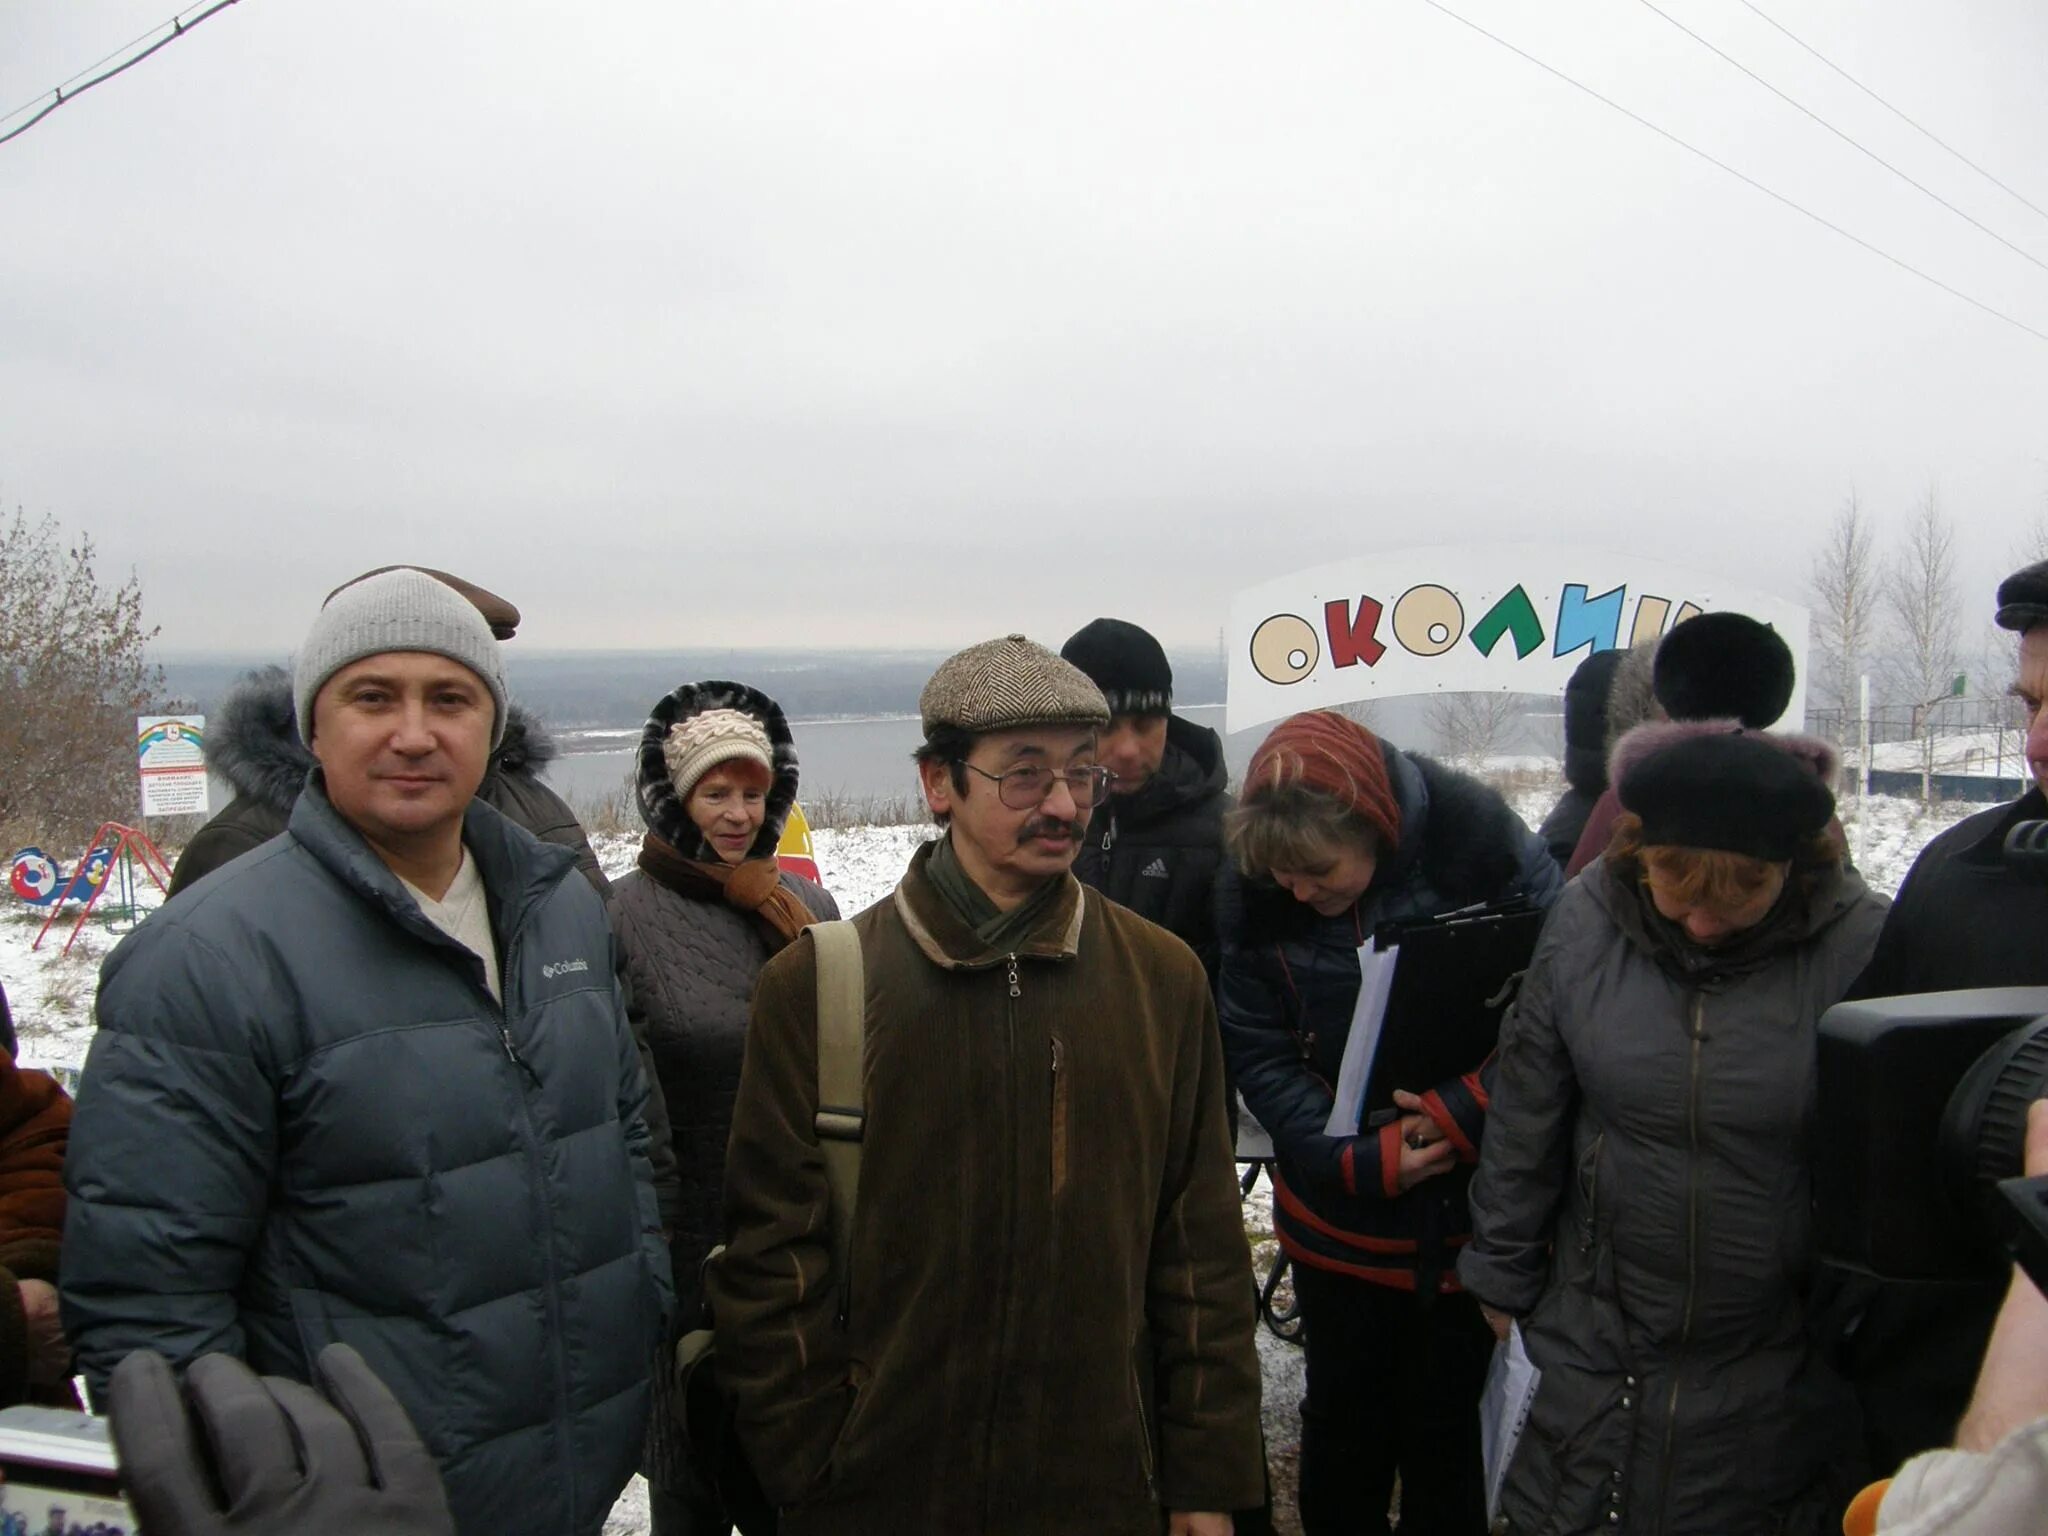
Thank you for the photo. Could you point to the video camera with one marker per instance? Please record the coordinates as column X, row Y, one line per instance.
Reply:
column 1922, row 1123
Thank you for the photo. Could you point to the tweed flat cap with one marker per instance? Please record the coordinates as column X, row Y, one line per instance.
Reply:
column 2023, row 598
column 1000, row 685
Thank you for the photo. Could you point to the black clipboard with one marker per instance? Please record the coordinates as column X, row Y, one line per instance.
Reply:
column 1447, row 998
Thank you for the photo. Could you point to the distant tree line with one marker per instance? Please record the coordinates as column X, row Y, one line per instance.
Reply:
column 1898, row 617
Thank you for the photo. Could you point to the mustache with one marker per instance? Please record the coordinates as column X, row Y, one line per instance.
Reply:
column 1051, row 826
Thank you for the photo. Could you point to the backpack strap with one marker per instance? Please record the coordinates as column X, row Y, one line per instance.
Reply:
column 842, row 1115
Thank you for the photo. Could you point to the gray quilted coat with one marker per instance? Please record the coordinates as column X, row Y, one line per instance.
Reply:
column 304, row 1121
column 691, row 964
column 1642, row 1203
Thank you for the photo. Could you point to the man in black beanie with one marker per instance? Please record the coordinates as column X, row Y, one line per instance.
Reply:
column 1966, row 916
column 1157, row 843
column 1585, row 753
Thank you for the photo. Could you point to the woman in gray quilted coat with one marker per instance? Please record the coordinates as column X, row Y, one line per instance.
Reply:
column 696, row 921
column 1642, row 1200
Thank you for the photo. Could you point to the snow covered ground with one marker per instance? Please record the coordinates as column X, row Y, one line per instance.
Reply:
column 51, row 995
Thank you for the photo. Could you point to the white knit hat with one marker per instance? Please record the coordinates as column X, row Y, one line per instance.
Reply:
column 396, row 610
column 697, row 745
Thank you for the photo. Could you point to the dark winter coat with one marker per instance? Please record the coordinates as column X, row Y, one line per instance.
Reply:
column 1288, row 989
column 691, row 964
column 252, row 741
column 304, row 1120
column 1642, row 1204
column 1963, row 918
column 1049, row 1324
column 1158, row 849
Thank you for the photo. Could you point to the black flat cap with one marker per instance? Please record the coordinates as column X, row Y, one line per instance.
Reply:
column 1723, row 666
column 1739, row 793
column 2023, row 598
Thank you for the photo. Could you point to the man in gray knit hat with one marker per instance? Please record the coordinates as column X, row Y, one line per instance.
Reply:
column 1044, row 1322
column 372, row 1084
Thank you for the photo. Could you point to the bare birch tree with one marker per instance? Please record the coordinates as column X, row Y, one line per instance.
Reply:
column 73, row 677
column 1926, row 606
column 1471, row 727
column 1846, row 580
column 2033, row 544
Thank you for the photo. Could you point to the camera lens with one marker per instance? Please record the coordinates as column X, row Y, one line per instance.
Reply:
column 1984, row 1128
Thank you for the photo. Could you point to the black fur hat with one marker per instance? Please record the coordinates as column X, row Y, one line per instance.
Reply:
column 1724, row 666
column 1740, row 793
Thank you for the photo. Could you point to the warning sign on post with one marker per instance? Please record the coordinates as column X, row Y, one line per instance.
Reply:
column 172, row 752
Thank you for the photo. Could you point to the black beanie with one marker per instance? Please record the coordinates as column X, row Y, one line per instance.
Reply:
column 1585, row 721
column 1738, row 793
column 1126, row 663
column 1723, row 666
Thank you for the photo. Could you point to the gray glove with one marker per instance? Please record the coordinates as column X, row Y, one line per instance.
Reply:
column 271, row 1456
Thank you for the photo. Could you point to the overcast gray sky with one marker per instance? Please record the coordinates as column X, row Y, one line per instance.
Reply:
column 904, row 323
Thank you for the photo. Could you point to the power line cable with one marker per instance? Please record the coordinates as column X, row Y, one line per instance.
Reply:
column 96, row 63
column 1918, row 128
column 1654, row 9
column 1741, row 176
column 179, row 26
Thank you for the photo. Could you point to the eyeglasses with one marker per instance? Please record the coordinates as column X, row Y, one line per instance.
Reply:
column 1028, row 787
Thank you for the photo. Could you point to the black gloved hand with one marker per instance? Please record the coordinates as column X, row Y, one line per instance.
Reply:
column 272, row 1457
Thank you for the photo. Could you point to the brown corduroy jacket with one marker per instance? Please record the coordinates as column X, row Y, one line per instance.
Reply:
column 1049, row 1320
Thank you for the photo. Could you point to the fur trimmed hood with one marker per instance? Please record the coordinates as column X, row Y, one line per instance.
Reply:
column 252, row 740
column 662, row 808
column 1646, row 740
column 1630, row 701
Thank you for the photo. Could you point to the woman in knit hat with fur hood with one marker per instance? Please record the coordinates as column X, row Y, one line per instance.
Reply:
column 1335, row 833
column 696, row 921
column 1642, row 1204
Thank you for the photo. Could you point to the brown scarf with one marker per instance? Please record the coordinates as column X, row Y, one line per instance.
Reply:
column 755, row 886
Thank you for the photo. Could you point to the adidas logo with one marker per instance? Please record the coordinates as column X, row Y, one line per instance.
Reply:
column 1156, row 870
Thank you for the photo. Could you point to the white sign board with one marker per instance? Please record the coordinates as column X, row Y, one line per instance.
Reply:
column 1512, row 618
column 172, row 753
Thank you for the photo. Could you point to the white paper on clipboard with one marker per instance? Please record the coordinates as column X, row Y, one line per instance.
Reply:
column 1368, row 1017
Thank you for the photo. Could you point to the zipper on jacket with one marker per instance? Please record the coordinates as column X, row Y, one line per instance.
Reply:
column 512, row 1053
column 990, row 1514
column 547, row 1247
column 1697, row 1029
column 1059, row 1123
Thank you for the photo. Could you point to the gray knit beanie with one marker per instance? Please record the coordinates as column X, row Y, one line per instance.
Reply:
column 396, row 610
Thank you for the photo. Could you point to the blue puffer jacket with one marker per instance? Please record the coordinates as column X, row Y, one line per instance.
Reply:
column 1288, row 987
column 304, row 1120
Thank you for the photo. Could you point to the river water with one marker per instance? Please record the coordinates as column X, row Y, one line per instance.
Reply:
column 871, row 759
column 860, row 759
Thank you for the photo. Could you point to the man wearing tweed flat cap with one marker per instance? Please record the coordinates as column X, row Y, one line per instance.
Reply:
column 1044, row 1325
column 372, row 1083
